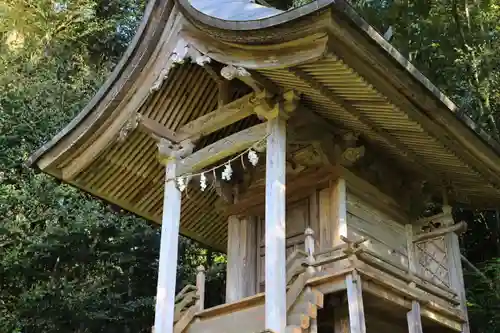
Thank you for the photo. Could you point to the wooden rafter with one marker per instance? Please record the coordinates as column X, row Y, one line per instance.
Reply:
column 222, row 117
column 378, row 76
column 259, row 82
column 154, row 128
column 204, row 125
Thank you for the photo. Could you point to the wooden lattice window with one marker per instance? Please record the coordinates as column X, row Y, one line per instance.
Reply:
column 433, row 260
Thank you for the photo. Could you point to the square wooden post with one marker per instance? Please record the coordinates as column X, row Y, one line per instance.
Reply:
column 455, row 271
column 275, row 260
column 355, row 303
column 242, row 248
column 413, row 317
column 167, row 267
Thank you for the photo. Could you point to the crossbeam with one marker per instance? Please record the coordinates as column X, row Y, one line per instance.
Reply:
column 457, row 228
column 154, row 128
column 211, row 122
column 221, row 149
column 219, row 118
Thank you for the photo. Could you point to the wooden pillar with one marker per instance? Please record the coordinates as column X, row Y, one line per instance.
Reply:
column 413, row 317
column 171, row 217
column 275, row 241
column 241, row 279
column 455, row 265
column 200, row 287
column 167, row 268
column 355, row 303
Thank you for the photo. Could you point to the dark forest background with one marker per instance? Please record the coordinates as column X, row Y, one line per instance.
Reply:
column 70, row 263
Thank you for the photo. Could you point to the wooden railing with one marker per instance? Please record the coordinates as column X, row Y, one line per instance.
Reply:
column 328, row 271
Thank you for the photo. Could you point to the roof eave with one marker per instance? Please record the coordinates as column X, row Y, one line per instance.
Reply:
column 112, row 84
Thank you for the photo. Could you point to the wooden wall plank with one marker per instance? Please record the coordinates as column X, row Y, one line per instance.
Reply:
column 385, row 236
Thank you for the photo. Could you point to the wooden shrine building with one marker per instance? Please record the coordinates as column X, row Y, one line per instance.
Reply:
column 303, row 145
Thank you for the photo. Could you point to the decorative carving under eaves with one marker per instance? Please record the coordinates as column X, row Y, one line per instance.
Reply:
column 347, row 150
column 177, row 56
column 129, row 126
column 230, row 72
column 197, row 57
column 169, row 150
column 242, row 178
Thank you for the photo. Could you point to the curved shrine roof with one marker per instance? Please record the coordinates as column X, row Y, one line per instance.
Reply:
column 342, row 68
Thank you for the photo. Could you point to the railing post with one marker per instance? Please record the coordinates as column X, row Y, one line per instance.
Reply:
column 355, row 303
column 200, row 287
column 309, row 248
column 310, row 271
column 413, row 317
column 410, row 250
column 455, row 264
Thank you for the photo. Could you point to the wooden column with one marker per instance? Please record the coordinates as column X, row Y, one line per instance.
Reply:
column 167, row 267
column 455, row 265
column 275, row 260
column 241, row 279
column 355, row 303
column 413, row 317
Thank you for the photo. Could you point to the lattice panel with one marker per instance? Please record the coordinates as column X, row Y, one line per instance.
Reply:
column 433, row 260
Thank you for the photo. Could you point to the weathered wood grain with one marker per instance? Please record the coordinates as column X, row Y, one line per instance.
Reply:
column 221, row 149
column 276, row 303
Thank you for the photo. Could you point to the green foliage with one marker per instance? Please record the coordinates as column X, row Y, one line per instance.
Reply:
column 483, row 297
column 68, row 262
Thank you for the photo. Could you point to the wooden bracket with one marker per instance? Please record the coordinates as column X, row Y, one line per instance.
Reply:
column 168, row 150
column 288, row 103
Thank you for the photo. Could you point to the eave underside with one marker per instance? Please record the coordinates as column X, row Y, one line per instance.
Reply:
column 127, row 173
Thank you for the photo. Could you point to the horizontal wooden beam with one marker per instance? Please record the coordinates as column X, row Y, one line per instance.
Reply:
column 223, row 116
column 220, row 118
column 388, row 293
column 221, row 149
column 154, row 128
column 458, row 228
